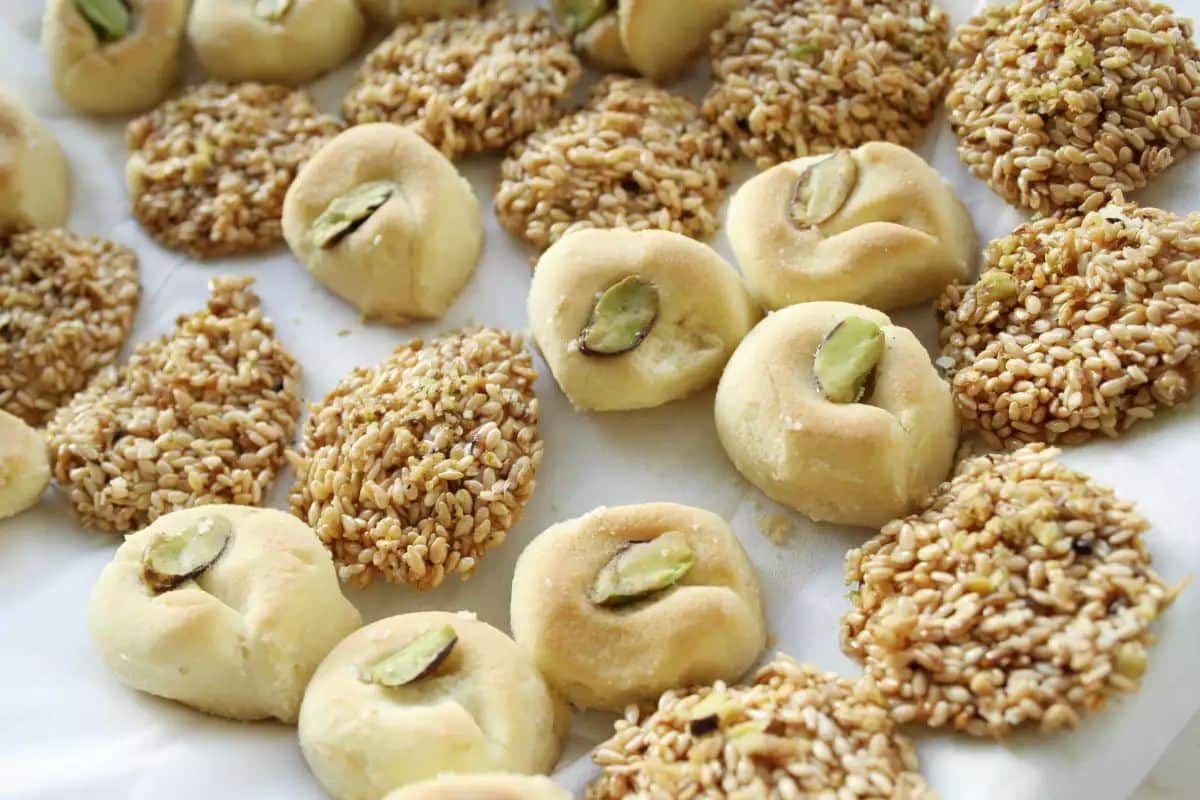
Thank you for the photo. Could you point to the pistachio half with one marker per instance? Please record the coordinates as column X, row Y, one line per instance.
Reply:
column 846, row 359
column 707, row 715
column 347, row 213
column 995, row 285
column 639, row 570
column 415, row 660
column 823, row 189
column 580, row 14
column 622, row 317
column 108, row 18
column 173, row 557
column 272, row 10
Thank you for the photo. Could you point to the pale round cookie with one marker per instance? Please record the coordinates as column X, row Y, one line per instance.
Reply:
column 811, row 445
column 24, row 470
column 201, row 415
column 34, row 182
column 875, row 225
column 1043, row 603
column 68, row 303
column 486, row 786
column 470, row 83
column 622, row 604
column 385, row 709
column 275, row 41
column 662, row 314
column 114, row 63
column 389, row 13
column 385, row 222
column 226, row 609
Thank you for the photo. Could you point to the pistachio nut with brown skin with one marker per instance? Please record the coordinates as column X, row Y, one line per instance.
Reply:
column 484, row 786
column 34, row 181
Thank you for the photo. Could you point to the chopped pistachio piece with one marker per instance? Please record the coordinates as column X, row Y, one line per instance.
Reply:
column 272, row 10
column 108, row 18
column 804, row 50
column 581, row 14
column 823, row 189
column 415, row 660
column 707, row 715
column 639, row 570
column 1046, row 532
column 622, row 317
column 995, row 285
column 846, row 359
column 346, row 213
column 1131, row 660
column 173, row 557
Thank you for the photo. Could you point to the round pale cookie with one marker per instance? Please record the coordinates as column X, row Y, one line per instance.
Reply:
column 208, row 170
column 411, row 470
column 792, row 732
column 487, row 786
column 622, row 604
column 276, row 41
column 201, row 415
column 24, row 470
column 875, row 225
column 834, row 411
column 34, row 183
column 414, row 696
column 1021, row 594
column 110, row 61
column 468, row 84
column 226, row 609
column 385, row 222
column 68, row 303
column 801, row 77
column 389, row 13
column 635, row 156
column 631, row 319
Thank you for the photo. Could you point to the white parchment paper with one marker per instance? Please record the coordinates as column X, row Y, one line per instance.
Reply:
column 68, row 730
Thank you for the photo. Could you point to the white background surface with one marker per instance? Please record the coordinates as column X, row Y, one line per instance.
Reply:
column 68, row 730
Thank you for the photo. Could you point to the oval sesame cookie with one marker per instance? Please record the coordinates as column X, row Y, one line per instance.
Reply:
column 1023, row 594
column 635, row 156
column 792, row 732
column 67, row 303
column 468, row 83
column 1056, row 105
column 201, row 415
column 803, row 77
column 412, row 469
column 1080, row 324
column 208, row 170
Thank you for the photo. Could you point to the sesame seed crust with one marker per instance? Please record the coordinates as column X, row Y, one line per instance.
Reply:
column 803, row 77
column 635, row 156
column 411, row 470
column 1022, row 595
column 67, row 303
column 792, row 732
column 199, row 416
column 208, row 170
column 468, row 83
column 1058, row 104
column 1102, row 326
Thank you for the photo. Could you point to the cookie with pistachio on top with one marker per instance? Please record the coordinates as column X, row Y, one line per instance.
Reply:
column 24, row 470
column 487, row 785
column 34, row 181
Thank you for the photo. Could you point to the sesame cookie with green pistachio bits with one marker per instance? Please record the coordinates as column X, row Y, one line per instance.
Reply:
column 792, row 731
column 470, row 83
column 1080, row 324
column 34, row 180
column 208, row 170
column 804, row 77
column 67, row 303
column 201, row 415
column 412, row 469
column 113, row 56
column 1057, row 105
column 1022, row 594
column 635, row 156
column 488, row 785
column 24, row 469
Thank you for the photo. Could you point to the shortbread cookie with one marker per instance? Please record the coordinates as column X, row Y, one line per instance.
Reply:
column 34, row 188
column 489, row 786
column 67, row 303
column 1043, row 603
column 875, row 225
column 415, row 696
column 224, row 608
column 635, row 319
column 24, row 470
column 201, row 415
column 389, row 13
column 834, row 411
column 383, row 220
column 113, row 56
column 621, row 604
column 208, row 171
